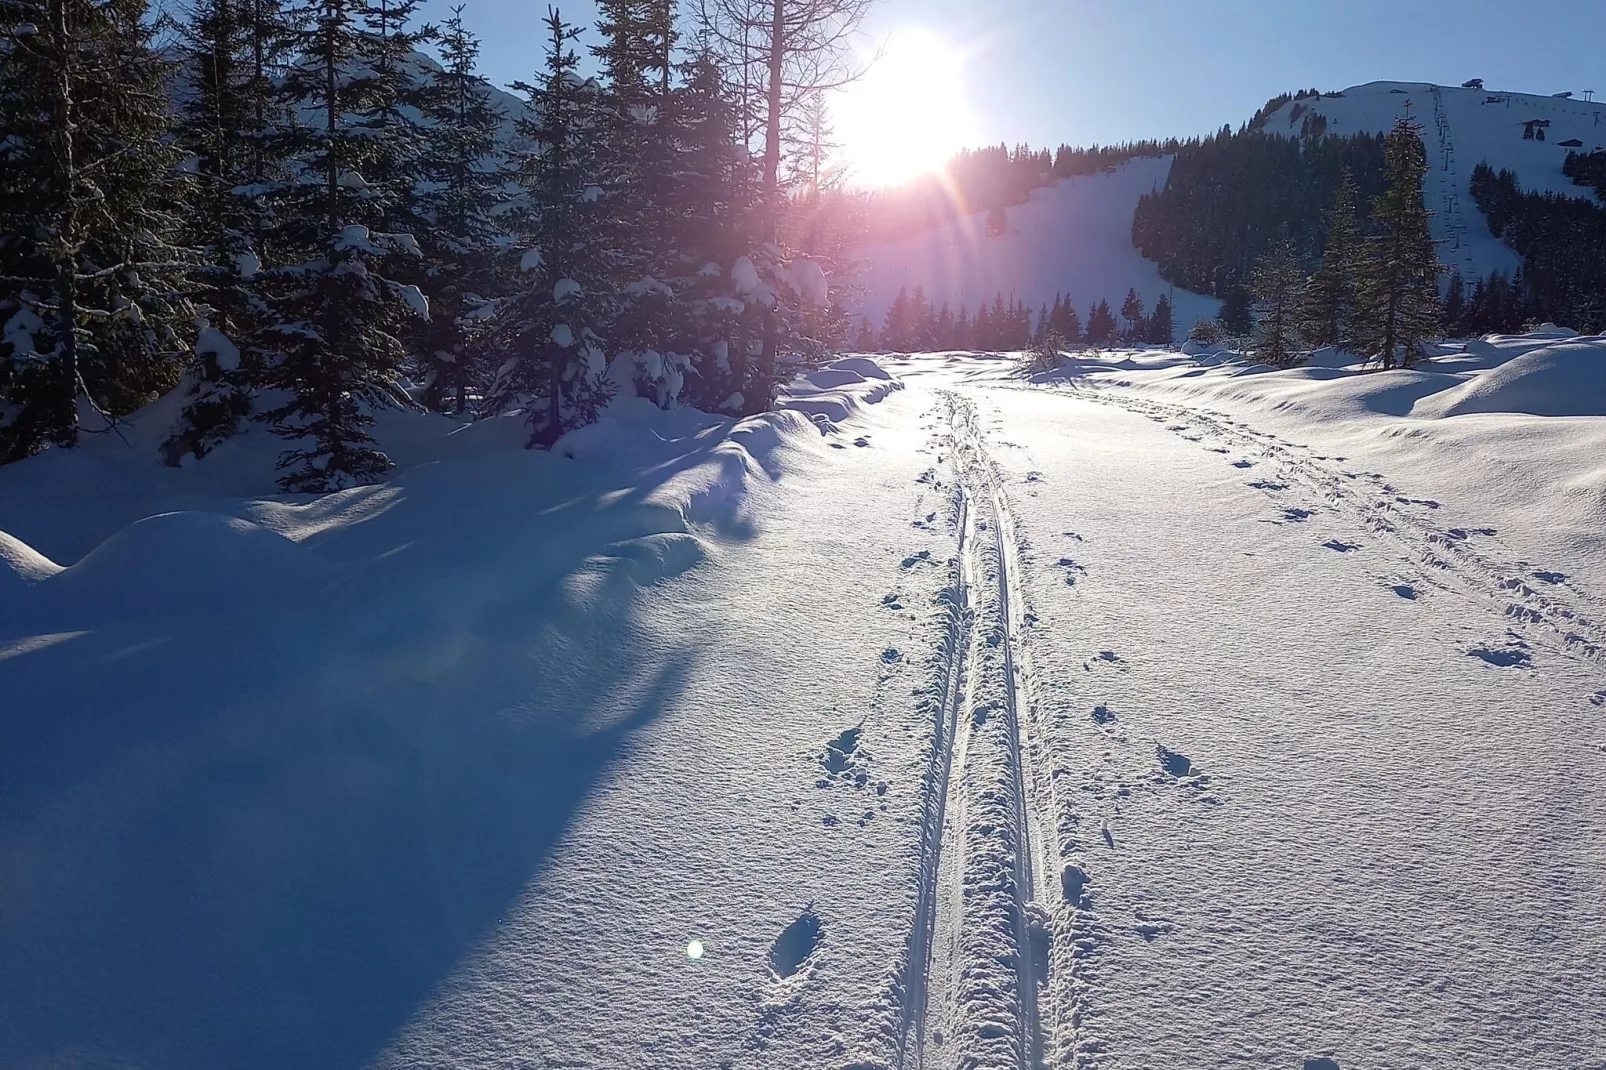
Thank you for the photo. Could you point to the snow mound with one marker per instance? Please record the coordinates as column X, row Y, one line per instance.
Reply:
column 21, row 565
column 864, row 366
column 1566, row 379
column 182, row 562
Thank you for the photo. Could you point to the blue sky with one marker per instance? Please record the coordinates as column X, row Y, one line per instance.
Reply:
column 1084, row 71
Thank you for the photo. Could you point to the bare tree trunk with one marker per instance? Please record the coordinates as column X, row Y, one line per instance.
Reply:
column 66, row 251
column 765, row 380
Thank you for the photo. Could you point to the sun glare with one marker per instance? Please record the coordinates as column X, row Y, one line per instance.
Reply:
column 908, row 114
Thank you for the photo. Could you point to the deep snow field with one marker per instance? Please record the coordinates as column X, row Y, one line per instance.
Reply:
column 1166, row 711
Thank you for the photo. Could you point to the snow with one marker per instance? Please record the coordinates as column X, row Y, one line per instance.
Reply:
column 1164, row 710
column 1073, row 237
column 20, row 329
column 531, row 260
column 807, row 279
column 564, row 289
column 211, row 342
column 247, row 265
column 744, row 276
column 414, row 299
column 562, row 335
column 356, row 237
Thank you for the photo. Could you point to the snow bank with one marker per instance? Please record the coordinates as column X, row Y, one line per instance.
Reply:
column 179, row 563
column 1567, row 379
column 21, row 566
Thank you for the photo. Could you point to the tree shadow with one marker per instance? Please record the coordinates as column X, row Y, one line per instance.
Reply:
column 265, row 837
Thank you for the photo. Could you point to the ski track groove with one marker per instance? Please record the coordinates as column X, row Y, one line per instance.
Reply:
column 1444, row 560
column 978, row 951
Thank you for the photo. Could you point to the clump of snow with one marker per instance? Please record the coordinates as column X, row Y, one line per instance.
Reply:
column 19, row 331
column 247, row 265
column 562, row 335
column 807, row 279
column 564, row 289
column 211, row 342
column 531, row 260
column 744, row 276
column 356, row 238
column 414, row 298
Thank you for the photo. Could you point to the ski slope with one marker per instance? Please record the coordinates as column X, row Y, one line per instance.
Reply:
column 1164, row 711
column 1073, row 237
column 1460, row 129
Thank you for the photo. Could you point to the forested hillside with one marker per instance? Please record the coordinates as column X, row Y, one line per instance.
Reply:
column 1230, row 196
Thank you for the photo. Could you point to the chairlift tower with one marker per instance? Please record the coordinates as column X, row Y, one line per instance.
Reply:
column 1589, row 94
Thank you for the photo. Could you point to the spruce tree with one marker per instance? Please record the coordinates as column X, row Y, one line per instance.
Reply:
column 546, row 336
column 1161, row 330
column 1132, row 311
column 91, row 302
column 1398, row 295
column 709, row 332
column 464, row 266
column 1100, row 325
column 1455, row 305
column 1328, row 307
column 331, row 337
column 1276, row 284
column 231, row 121
column 1237, row 317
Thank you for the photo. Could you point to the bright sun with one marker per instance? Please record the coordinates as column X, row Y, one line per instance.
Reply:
column 908, row 114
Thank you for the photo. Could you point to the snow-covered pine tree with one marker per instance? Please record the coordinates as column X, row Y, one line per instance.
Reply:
column 1162, row 332
column 332, row 337
column 1133, row 312
column 1398, row 293
column 716, row 216
column 546, row 334
column 90, row 277
column 231, row 52
column 465, row 268
column 1277, row 283
column 1328, row 307
column 638, row 165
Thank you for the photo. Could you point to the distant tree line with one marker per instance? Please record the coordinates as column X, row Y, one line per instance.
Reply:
column 914, row 325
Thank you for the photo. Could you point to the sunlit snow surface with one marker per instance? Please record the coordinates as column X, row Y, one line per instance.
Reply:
column 620, row 755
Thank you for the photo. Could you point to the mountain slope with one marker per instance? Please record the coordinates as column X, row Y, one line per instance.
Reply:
column 1072, row 237
column 1461, row 128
